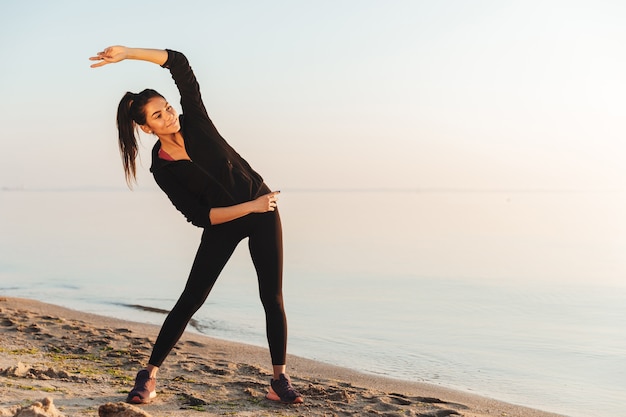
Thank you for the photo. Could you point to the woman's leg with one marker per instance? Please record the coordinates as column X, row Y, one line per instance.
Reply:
column 266, row 250
column 214, row 251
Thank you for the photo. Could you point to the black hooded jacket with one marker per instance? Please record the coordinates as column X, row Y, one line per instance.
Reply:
column 216, row 176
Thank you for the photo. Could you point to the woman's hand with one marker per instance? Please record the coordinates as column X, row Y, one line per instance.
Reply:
column 267, row 202
column 110, row 55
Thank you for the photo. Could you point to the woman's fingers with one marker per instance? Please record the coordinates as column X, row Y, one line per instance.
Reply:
column 274, row 199
column 102, row 59
column 270, row 200
column 98, row 64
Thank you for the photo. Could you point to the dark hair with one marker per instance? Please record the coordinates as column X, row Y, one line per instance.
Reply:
column 130, row 114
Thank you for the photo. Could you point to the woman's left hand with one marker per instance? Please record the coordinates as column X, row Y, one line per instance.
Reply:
column 267, row 202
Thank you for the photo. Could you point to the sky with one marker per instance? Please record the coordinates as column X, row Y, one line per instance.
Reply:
column 483, row 94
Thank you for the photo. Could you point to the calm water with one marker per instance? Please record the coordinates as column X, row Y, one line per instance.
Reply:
column 520, row 296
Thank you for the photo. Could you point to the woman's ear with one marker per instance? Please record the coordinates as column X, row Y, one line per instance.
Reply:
column 146, row 129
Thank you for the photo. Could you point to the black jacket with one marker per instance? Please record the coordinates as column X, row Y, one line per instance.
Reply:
column 216, row 176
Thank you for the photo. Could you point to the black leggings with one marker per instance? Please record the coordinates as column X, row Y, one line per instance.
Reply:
column 218, row 243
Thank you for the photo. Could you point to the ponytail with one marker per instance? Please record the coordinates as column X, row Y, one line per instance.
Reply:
column 130, row 114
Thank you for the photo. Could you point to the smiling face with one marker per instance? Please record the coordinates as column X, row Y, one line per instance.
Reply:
column 161, row 118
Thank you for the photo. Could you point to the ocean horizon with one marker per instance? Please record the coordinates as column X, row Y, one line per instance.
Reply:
column 518, row 295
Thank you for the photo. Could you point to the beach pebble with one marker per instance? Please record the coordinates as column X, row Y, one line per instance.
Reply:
column 121, row 410
column 20, row 370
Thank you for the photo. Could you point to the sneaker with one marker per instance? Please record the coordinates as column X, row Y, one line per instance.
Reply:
column 281, row 390
column 144, row 389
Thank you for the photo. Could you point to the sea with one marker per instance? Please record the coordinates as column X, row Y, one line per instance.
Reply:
column 518, row 295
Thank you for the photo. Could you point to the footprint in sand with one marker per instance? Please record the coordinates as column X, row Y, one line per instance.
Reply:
column 33, row 328
column 7, row 322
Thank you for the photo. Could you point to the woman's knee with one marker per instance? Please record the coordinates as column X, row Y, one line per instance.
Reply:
column 190, row 301
column 272, row 302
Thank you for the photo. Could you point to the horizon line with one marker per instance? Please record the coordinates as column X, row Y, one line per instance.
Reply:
column 425, row 190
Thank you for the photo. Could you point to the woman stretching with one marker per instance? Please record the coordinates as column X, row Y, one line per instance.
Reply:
column 215, row 189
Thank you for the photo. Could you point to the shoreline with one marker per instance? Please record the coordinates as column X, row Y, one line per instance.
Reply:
column 83, row 361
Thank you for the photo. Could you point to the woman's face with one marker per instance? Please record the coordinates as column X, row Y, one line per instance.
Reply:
column 161, row 118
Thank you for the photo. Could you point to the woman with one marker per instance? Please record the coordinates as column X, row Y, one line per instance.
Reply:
column 216, row 189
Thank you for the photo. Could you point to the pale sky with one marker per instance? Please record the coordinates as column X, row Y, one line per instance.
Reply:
column 330, row 94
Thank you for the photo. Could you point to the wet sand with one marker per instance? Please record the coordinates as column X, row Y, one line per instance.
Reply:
column 84, row 364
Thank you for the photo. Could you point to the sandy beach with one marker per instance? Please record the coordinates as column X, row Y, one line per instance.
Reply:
column 74, row 363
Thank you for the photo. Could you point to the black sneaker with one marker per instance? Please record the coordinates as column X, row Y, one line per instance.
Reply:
column 281, row 390
column 144, row 390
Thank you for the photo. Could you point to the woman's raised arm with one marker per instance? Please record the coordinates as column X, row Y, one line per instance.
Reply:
column 118, row 53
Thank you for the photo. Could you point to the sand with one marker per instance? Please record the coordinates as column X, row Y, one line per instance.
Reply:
column 60, row 362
